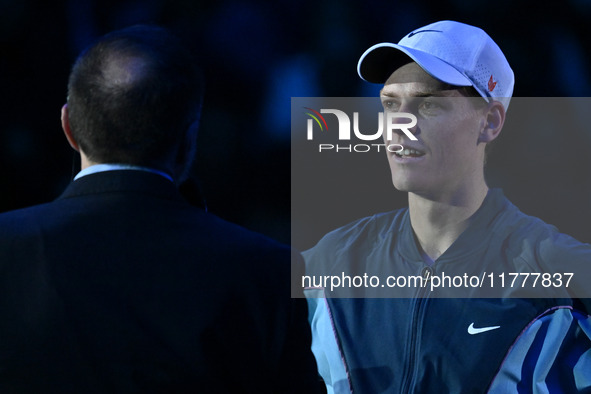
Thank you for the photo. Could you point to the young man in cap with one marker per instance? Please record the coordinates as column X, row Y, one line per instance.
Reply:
column 458, row 84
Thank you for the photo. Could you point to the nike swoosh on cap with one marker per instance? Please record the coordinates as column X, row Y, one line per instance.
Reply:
column 422, row 31
column 473, row 331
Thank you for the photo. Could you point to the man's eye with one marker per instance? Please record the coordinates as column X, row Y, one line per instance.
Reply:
column 428, row 106
column 389, row 105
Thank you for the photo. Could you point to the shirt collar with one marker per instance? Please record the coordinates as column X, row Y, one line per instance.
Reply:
column 116, row 167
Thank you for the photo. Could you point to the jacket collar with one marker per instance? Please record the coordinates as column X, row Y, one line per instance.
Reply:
column 470, row 241
column 122, row 181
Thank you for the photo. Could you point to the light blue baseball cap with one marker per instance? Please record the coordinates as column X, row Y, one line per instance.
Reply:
column 452, row 52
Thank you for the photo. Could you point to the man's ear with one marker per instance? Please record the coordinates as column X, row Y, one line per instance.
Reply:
column 495, row 118
column 67, row 129
column 186, row 154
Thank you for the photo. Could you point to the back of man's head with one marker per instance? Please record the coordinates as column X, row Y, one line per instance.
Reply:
column 132, row 97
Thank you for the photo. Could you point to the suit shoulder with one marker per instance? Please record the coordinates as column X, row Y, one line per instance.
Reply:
column 235, row 234
column 23, row 219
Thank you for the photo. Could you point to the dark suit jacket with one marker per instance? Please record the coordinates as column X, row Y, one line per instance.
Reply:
column 120, row 286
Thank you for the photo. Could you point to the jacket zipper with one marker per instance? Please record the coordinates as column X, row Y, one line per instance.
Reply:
column 415, row 328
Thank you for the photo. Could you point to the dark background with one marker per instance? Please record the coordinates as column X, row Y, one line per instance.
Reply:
column 256, row 55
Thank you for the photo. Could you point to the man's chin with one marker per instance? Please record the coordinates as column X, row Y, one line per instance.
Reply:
column 405, row 185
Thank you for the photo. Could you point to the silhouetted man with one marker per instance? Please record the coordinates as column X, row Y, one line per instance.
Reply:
column 120, row 285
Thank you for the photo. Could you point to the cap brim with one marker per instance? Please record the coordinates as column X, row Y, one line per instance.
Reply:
column 381, row 60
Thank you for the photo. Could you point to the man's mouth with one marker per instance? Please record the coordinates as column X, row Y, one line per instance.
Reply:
column 409, row 153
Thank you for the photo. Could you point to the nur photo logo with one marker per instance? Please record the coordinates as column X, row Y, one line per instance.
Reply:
column 392, row 122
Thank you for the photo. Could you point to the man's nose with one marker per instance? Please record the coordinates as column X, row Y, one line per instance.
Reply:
column 402, row 124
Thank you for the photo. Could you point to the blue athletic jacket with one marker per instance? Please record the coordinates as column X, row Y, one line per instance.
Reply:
column 535, row 341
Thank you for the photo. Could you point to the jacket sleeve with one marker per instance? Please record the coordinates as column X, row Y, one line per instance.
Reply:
column 298, row 367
